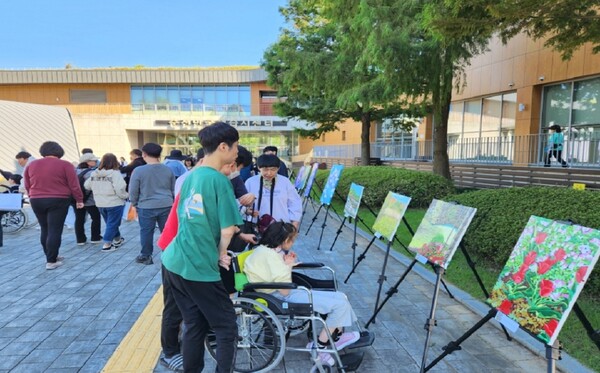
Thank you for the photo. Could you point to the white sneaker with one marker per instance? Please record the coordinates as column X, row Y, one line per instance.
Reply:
column 50, row 266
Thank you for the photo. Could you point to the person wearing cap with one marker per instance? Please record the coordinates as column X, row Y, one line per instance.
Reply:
column 175, row 162
column 87, row 164
column 555, row 146
column 275, row 194
column 51, row 183
column 151, row 193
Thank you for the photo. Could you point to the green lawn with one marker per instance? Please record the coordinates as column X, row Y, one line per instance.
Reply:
column 572, row 336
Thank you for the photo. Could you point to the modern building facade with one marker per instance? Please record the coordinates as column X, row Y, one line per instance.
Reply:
column 116, row 110
column 513, row 93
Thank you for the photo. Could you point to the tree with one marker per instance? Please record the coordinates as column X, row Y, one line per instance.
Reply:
column 567, row 24
column 417, row 63
column 316, row 70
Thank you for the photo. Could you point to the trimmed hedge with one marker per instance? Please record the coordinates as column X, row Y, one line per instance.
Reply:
column 421, row 186
column 503, row 213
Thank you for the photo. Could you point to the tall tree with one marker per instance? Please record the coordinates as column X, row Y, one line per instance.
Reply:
column 566, row 24
column 316, row 71
column 418, row 63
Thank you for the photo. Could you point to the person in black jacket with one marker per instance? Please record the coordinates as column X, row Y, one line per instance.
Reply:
column 136, row 160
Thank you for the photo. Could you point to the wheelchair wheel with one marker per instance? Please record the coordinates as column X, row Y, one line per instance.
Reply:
column 14, row 221
column 261, row 338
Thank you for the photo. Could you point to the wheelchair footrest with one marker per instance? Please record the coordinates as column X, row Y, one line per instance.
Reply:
column 366, row 339
column 351, row 361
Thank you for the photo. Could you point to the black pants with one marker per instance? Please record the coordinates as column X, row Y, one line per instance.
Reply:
column 51, row 214
column 80, row 221
column 556, row 154
column 171, row 319
column 205, row 305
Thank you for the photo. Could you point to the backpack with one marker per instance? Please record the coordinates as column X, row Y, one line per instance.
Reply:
column 81, row 178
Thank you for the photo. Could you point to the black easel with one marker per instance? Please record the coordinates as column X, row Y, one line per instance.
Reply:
column 337, row 234
column 314, row 219
column 431, row 321
column 382, row 276
column 323, row 227
column 361, row 257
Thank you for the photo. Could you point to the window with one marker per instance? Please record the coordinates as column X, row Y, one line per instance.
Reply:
column 586, row 102
column 343, row 135
column 87, row 96
column 557, row 105
column 323, row 138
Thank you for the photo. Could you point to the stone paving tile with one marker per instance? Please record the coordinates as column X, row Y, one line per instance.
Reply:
column 72, row 319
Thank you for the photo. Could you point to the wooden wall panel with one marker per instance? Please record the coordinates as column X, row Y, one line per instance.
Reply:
column 575, row 64
column 559, row 67
column 591, row 64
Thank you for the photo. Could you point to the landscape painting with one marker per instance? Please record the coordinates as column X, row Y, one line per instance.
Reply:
column 390, row 215
column 545, row 274
column 299, row 177
column 353, row 200
column 311, row 179
column 331, row 184
column 441, row 231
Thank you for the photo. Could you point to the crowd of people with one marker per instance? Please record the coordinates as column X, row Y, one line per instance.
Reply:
column 204, row 206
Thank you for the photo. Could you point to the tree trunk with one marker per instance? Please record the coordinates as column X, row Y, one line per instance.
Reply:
column 441, row 105
column 365, row 141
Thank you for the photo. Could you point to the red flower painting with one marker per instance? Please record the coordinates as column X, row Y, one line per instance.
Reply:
column 550, row 327
column 540, row 238
column 580, row 275
column 505, row 307
column 546, row 288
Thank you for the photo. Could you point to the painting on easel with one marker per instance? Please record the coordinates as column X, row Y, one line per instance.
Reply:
column 544, row 275
column 441, row 231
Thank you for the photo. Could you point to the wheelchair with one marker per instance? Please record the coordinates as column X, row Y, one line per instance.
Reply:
column 265, row 322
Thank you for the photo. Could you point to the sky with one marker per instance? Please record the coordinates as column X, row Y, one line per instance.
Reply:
column 125, row 33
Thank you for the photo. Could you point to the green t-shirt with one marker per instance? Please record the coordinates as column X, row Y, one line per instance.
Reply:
column 206, row 205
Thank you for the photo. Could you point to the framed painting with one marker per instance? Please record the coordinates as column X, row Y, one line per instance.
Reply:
column 331, row 184
column 545, row 274
column 441, row 231
column 391, row 213
column 353, row 200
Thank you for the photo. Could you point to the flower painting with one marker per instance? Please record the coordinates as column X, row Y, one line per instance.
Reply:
column 299, row 178
column 390, row 215
column 331, row 184
column 353, row 200
column 544, row 275
column 311, row 179
column 441, row 231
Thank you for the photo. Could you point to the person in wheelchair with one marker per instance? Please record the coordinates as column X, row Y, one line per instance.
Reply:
column 272, row 261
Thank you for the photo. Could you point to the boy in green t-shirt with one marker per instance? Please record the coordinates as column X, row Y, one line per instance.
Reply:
column 208, row 216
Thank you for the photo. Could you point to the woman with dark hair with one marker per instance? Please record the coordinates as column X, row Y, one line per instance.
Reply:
column 87, row 164
column 110, row 193
column 51, row 185
column 189, row 163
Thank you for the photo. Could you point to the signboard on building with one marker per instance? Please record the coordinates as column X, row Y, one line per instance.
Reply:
column 239, row 123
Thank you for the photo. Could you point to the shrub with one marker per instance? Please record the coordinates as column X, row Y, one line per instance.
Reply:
column 503, row 213
column 421, row 186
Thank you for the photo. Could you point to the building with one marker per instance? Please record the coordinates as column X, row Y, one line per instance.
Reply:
column 513, row 93
column 25, row 127
column 116, row 110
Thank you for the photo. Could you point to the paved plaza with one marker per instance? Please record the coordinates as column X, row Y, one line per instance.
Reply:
column 80, row 317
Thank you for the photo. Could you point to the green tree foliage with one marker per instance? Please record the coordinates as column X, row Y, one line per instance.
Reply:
column 416, row 62
column 318, row 69
column 567, row 24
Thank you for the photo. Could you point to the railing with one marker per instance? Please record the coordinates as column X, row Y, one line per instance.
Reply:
column 512, row 150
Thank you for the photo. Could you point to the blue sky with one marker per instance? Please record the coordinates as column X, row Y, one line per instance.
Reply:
column 153, row 33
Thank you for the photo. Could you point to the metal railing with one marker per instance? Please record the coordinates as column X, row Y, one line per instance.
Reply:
column 514, row 150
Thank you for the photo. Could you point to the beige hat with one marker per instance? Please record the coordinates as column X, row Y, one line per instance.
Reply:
column 87, row 157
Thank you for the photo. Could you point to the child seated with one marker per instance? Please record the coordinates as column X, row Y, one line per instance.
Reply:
column 272, row 261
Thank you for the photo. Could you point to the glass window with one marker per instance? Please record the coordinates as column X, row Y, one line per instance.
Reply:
column 455, row 118
column 173, row 96
column 137, row 98
column 472, row 119
column 491, row 115
column 586, row 102
column 162, row 99
column 149, row 95
column 509, row 110
column 557, row 105
column 185, row 98
column 197, row 98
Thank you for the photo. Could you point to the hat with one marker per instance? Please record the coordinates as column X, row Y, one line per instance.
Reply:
column 176, row 154
column 87, row 157
column 152, row 149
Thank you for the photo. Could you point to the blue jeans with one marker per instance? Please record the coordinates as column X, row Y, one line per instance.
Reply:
column 112, row 219
column 148, row 218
